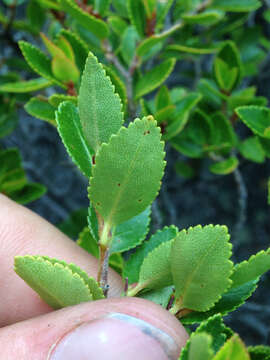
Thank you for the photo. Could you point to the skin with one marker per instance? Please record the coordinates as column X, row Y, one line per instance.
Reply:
column 26, row 318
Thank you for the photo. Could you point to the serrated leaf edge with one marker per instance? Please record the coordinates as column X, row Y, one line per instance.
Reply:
column 22, row 44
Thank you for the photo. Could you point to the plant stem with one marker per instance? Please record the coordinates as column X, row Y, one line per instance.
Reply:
column 104, row 254
column 103, row 268
column 242, row 200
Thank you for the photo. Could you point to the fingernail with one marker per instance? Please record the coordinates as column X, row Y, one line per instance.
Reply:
column 115, row 337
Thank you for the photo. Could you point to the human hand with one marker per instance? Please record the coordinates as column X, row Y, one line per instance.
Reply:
column 115, row 328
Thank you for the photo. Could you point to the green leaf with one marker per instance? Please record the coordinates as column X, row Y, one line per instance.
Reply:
column 75, row 222
column 102, row 7
column 70, row 130
column 99, row 106
column 259, row 352
column 257, row 118
column 65, row 46
column 56, row 99
column 121, row 7
column 120, row 88
column 224, row 134
column 131, row 233
column 96, row 26
column 160, row 296
column 128, row 44
column 252, row 149
column 234, row 349
column 39, row 62
column 80, row 48
column 183, row 48
column 127, row 173
column 229, row 301
column 224, row 167
column 162, row 98
column 35, row 21
column 25, row 86
column 136, row 12
column 64, row 70
column 228, row 67
column 155, row 272
column 237, row 6
column 12, row 180
column 163, row 7
column 200, row 347
column 154, row 78
column 200, row 266
column 215, row 327
column 206, row 18
column 41, row 109
column 59, row 284
column 30, row 192
column 251, row 269
column 133, row 264
column 181, row 115
column 93, row 222
column 117, row 24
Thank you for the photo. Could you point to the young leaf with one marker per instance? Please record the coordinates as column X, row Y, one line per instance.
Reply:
column 56, row 283
column 96, row 26
column 224, row 167
column 25, row 86
column 162, row 98
column 200, row 266
column 251, row 269
column 234, row 349
column 196, row 50
column 237, row 6
column 56, row 99
column 252, row 149
column 200, row 347
column 154, row 78
column 228, row 67
column 130, row 233
column 155, row 272
column 136, row 12
column 65, row 46
column 127, row 173
column 41, row 109
column 70, row 130
column 99, row 106
column 64, row 70
column 128, row 44
column 80, row 48
column 257, row 118
column 39, row 62
column 133, row 264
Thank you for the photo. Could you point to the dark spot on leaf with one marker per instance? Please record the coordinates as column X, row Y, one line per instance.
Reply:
column 146, row 132
column 94, row 160
column 118, row 184
column 140, row 200
column 202, row 285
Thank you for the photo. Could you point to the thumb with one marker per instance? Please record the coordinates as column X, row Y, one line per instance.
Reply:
column 126, row 328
